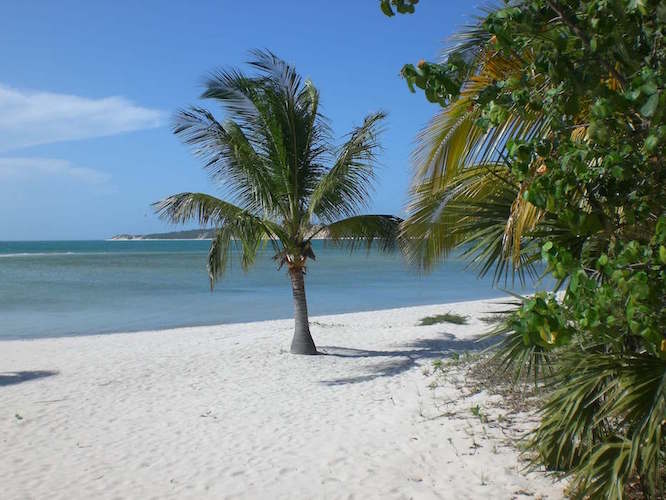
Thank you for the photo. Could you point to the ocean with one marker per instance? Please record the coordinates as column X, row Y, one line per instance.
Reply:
column 63, row 288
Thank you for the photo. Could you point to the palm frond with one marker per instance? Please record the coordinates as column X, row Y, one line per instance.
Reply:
column 462, row 191
column 471, row 212
column 203, row 208
column 229, row 157
column 234, row 224
column 521, row 357
column 453, row 140
column 579, row 433
column 471, row 38
column 365, row 230
column 279, row 116
column 346, row 186
column 279, row 73
column 218, row 255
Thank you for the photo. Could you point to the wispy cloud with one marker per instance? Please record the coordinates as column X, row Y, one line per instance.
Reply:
column 30, row 118
column 21, row 169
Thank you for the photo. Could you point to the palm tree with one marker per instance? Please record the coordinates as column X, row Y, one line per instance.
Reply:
column 284, row 181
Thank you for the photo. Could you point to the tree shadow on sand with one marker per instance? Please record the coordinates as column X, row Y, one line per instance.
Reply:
column 13, row 378
column 405, row 356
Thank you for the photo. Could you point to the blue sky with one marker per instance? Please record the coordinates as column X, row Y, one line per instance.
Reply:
column 87, row 91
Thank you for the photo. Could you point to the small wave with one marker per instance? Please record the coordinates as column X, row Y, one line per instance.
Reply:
column 116, row 253
column 35, row 254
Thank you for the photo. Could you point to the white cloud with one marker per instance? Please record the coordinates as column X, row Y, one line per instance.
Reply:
column 31, row 118
column 34, row 168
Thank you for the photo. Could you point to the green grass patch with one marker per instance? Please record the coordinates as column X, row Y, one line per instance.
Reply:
column 449, row 317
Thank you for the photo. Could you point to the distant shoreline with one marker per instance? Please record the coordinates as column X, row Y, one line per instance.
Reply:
column 190, row 234
column 179, row 239
column 158, row 239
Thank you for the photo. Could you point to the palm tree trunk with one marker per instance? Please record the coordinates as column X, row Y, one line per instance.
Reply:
column 302, row 342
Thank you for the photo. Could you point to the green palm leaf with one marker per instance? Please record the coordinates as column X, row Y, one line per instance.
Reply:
column 579, row 431
column 345, row 187
column 365, row 230
column 228, row 156
column 233, row 223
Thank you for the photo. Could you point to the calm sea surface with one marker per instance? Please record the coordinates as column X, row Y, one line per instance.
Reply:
column 59, row 288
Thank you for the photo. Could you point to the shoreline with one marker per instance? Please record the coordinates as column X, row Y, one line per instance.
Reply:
column 246, row 323
column 225, row 412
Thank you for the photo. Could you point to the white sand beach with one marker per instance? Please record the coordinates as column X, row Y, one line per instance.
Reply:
column 226, row 412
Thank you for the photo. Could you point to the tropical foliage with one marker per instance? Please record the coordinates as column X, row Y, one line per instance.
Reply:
column 550, row 146
column 284, row 181
column 389, row 7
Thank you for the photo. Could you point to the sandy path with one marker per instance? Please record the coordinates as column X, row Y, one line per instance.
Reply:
column 226, row 412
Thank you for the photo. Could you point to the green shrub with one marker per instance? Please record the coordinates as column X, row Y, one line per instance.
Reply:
column 555, row 150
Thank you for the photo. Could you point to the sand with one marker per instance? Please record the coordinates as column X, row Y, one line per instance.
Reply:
column 226, row 412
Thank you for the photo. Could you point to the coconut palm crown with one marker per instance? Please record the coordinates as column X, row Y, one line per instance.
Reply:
column 283, row 180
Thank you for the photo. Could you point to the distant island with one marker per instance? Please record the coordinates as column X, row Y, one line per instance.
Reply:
column 193, row 234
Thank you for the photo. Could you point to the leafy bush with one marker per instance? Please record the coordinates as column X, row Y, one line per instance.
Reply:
column 552, row 147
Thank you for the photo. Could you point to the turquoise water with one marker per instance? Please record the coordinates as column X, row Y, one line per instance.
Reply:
column 60, row 288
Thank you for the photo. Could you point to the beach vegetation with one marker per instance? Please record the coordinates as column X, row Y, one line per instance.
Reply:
column 478, row 412
column 549, row 147
column 492, row 319
column 449, row 317
column 283, row 181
